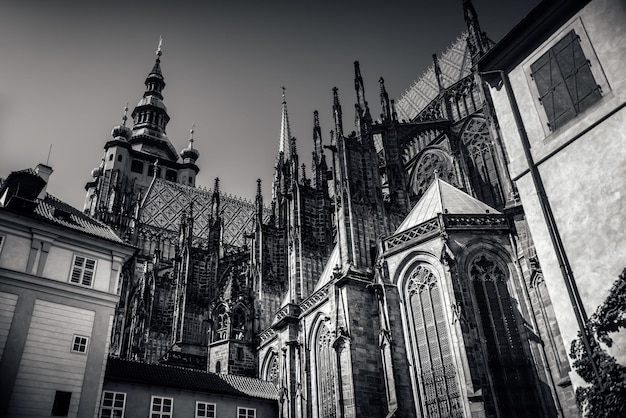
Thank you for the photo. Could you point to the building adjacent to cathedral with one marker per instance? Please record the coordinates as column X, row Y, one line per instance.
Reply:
column 396, row 277
column 59, row 277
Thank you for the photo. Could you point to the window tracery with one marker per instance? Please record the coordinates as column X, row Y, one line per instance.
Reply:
column 325, row 355
column 436, row 372
column 513, row 383
column 483, row 171
column 272, row 371
column 424, row 172
column 222, row 321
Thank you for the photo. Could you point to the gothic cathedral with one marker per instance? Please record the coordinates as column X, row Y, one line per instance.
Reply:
column 398, row 278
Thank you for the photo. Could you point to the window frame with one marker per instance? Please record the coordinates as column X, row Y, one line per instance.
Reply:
column 86, row 345
column 594, row 65
column 83, row 268
column 206, row 404
column 112, row 408
column 161, row 413
column 245, row 411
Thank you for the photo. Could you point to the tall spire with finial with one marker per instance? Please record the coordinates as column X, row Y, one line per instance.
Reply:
column 337, row 113
column 150, row 115
column 438, row 75
column 362, row 110
column 317, row 138
column 477, row 40
column 384, row 101
column 285, row 131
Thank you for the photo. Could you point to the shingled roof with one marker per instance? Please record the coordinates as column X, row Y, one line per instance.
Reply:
column 52, row 210
column 442, row 197
column 189, row 379
column 166, row 202
column 455, row 64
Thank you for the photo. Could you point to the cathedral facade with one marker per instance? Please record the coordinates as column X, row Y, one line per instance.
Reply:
column 398, row 278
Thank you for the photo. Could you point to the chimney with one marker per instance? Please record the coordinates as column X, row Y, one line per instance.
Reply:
column 44, row 172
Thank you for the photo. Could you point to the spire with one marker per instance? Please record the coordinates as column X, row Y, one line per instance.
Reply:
column 258, row 200
column 317, row 137
column 384, row 101
column 150, row 115
column 337, row 113
column 362, row 108
column 215, row 199
column 285, row 132
column 476, row 41
column 125, row 117
column 156, row 69
column 438, row 73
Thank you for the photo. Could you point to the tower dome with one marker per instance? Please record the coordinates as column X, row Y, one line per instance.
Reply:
column 122, row 131
column 190, row 153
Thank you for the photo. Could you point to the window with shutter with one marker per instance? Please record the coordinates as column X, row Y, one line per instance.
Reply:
column 83, row 271
column 564, row 80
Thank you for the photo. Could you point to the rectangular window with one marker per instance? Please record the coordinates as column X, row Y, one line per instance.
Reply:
column 113, row 405
column 162, row 407
column 61, row 405
column 136, row 167
column 204, row 409
column 564, row 81
column 1, row 242
column 83, row 270
column 79, row 344
column 246, row 412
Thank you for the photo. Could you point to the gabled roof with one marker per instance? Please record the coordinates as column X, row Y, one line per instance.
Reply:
column 189, row 379
column 442, row 197
column 455, row 64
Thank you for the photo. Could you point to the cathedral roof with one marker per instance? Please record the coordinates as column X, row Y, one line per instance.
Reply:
column 166, row 202
column 455, row 64
column 189, row 379
column 442, row 197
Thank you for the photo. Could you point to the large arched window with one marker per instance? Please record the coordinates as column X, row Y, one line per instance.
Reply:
column 483, row 172
column 325, row 368
column 271, row 370
column 436, row 375
column 510, row 371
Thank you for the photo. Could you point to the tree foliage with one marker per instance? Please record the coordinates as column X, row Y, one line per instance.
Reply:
column 606, row 395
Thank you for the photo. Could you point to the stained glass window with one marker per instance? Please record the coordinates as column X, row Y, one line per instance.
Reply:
column 437, row 375
column 509, row 367
column 326, row 373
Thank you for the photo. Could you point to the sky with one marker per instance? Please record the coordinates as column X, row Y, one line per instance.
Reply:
column 67, row 69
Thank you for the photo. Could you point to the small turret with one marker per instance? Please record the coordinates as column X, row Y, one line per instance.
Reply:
column 122, row 132
column 190, row 154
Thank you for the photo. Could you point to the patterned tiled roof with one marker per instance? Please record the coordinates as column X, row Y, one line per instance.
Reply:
column 166, row 202
column 50, row 209
column 441, row 197
column 455, row 64
column 189, row 379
